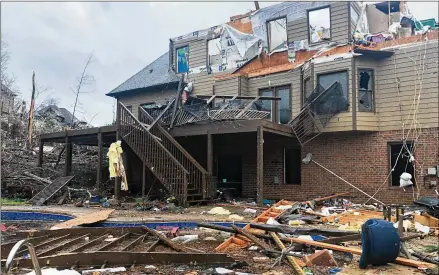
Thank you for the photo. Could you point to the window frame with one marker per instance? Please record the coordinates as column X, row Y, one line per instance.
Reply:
column 284, row 166
column 274, row 103
column 176, row 58
column 389, row 162
column 330, row 24
column 207, row 49
column 347, row 84
column 308, row 78
column 268, row 34
column 359, row 69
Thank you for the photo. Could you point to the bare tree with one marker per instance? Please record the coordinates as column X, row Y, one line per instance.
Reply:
column 81, row 81
column 6, row 79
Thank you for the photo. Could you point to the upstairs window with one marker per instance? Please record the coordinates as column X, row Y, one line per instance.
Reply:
column 319, row 25
column 182, row 59
column 214, row 52
column 307, row 88
column 277, row 34
column 280, row 110
column 366, row 91
column 326, row 81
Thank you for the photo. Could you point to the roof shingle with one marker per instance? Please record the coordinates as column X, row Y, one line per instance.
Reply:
column 155, row 74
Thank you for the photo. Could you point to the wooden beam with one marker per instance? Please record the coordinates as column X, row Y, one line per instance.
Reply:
column 247, row 107
column 152, row 246
column 209, row 153
column 290, row 259
column 260, row 165
column 124, row 258
column 68, row 162
column 161, row 114
column 356, row 251
column 90, row 243
column 210, row 99
column 116, row 241
column 241, row 97
column 177, row 101
column 143, row 179
column 224, row 106
column 59, row 247
column 134, row 243
column 177, row 247
column 100, row 160
column 251, row 237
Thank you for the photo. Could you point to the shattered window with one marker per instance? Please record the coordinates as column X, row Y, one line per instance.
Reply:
column 326, row 80
column 319, row 25
column 366, row 91
column 292, row 162
column 354, row 14
column 214, row 51
column 284, row 107
column 277, row 34
column 307, row 88
column 182, row 59
column 267, row 105
column 399, row 155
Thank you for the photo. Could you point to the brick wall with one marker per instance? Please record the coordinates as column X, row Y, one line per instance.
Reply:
column 359, row 158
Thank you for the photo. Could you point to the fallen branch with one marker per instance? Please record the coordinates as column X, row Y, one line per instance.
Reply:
column 37, row 178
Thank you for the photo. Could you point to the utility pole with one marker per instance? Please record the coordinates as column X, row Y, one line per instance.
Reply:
column 256, row 5
column 31, row 114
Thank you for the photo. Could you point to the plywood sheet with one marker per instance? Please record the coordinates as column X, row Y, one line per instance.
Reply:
column 85, row 219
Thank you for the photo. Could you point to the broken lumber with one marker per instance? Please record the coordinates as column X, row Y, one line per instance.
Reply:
column 37, row 178
column 356, row 251
column 251, row 237
column 84, row 219
column 286, row 229
column 290, row 259
column 177, row 247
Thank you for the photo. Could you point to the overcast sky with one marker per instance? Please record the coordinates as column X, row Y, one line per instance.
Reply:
column 55, row 39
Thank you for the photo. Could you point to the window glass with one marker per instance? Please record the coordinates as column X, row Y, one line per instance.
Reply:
column 182, row 59
column 277, row 34
column 366, row 91
column 319, row 25
column 354, row 15
column 284, row 109
column 214, row 51
column 307, row 88
column 267, row 105
column 292, row 163
column 326, row 80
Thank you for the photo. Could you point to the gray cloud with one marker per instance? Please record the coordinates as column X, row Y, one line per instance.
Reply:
column 54, row 39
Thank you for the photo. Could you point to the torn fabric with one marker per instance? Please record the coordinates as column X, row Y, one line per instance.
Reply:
column 115, row 163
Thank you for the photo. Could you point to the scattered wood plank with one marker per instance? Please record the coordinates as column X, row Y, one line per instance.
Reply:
column 356, row 251
column 290, row 259
column 251, row 237
column 85, row 219
column 177, row 247
column 309, row 230
column 427, row 220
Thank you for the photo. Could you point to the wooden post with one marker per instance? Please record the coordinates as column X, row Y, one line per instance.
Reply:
column 260, row 165
column 143, row 179
column 209, row 162
column 100, row 158
column 31, row 115
column 41, row 154
column 68, row 162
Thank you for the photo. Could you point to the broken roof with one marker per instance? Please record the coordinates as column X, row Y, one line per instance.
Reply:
column 60, row 112
column 155, row 74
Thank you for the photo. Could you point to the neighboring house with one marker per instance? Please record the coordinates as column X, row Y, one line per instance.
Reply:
column 269, row 87
column 62, row 115
column 7, row 100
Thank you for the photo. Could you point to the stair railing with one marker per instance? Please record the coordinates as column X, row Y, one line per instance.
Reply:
column 199, row 178
column 153, row 153
column 32, row 253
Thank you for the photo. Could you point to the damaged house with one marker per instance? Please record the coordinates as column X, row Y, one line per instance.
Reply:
column 236, row 107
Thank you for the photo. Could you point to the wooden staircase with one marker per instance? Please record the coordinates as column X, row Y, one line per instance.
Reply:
column 172, row 165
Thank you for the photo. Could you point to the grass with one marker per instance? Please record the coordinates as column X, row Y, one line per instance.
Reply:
column 6, row 201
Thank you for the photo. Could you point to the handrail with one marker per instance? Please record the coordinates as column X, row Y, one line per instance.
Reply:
column 171, row 138
column 155, row 140
column 32, row 253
